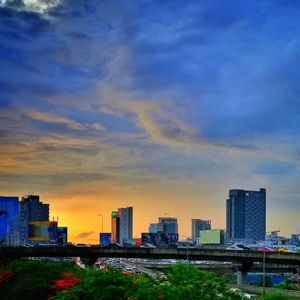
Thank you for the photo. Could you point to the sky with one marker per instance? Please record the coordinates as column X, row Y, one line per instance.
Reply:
column 159, row 105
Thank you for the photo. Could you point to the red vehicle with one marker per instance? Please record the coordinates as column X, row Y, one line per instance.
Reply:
column 265, row 249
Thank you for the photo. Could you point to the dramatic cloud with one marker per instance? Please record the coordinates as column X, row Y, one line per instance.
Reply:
column 30, row 5
column 133, row 102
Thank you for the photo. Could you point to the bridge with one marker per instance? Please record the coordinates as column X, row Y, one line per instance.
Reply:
column 245, row 260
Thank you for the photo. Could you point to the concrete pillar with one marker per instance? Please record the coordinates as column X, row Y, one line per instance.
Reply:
column 242, row 273
column 242, row 277
column 88, row 261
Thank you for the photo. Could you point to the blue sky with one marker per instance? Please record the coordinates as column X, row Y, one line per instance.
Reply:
column 163, row 105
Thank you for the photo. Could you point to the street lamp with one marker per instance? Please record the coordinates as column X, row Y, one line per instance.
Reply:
column 101, row 222
column 187, row 248
column 264, row 271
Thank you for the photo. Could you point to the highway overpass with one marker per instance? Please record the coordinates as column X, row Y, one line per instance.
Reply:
column 244, row 259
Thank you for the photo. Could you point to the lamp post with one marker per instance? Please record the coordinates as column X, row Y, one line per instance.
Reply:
column 187, row 250
column 187, row 253
column 101, row 222
column 264, row 271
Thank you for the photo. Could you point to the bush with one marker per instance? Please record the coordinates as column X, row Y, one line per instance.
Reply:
column 33, row 279
column 181, row 282
column 63, row 281
column 276, row 296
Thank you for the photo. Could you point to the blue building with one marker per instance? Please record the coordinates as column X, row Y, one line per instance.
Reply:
column 9, row 214
column 152, row 228
column 246, row 216
column 167, row 225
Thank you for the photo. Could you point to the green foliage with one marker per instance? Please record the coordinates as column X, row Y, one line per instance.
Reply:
column 287, row 285
column 277, row 296
column 33, row 278
column 108, row 284
column 181, row 282
column 189, row 283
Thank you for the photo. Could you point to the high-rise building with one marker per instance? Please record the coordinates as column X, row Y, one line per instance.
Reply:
column 9, row 221
column 167, row 225
column 126, row 223
column 115, row 227
column 246, row 216
column 31, row 210
column 197, row 225
column 121, row 225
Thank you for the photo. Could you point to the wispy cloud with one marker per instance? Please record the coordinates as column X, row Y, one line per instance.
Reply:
column 84, row 235
column 52, row 118
column 55, row 119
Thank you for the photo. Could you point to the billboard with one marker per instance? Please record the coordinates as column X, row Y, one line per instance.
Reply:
column 211, row 237
column 159, row 238
column 43, row 231
column 105, row 239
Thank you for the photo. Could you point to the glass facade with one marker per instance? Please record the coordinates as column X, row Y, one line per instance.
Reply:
column 169, row 225
column 9, row 212
column 246, row 216
column 197, row 225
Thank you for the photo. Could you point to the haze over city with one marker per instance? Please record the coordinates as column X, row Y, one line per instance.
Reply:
column 159, row 105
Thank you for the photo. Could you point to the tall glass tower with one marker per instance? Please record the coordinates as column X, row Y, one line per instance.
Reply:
column 246, row 216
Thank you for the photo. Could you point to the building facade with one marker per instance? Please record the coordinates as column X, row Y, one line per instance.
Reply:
column 152, row 228
column 246, row 216
column 31, row 210
column 167, row 225
column 126, row 224
column 115, row 227
column 9, row 221
column 122, row 225
column 197, row 225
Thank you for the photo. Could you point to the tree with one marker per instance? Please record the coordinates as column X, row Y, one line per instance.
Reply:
column 32, row 279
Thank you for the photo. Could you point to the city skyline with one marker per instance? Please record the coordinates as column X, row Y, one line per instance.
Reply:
column 251, row 209
column 159, row 105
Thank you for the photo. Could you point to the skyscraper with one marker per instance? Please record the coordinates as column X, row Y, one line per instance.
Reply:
column 246, row 216
column 197, row 225
column 121, row 225
column 31, row 209
column 115, row 227
column 126, row 223
column 9, row 221
column 167, row 225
